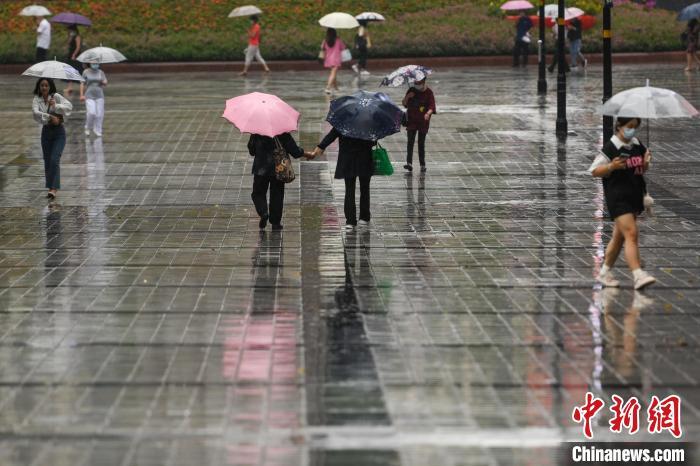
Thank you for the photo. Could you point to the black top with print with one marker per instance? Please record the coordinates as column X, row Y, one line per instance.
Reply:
column 625, row 188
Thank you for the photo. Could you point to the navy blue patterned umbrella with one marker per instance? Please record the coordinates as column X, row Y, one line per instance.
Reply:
column 365, row 115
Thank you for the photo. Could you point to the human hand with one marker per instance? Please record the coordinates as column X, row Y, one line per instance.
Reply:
column 317, row 151
column 427, row 116
column 308, row 155
column 618, row 163
column 647, row 156
column 52, row 101
column 410, row 95
column 82, row 98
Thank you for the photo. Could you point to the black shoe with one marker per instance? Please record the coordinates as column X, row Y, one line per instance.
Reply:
column 263, row 221
column 51, row 195
column 277, row 227
column 408, row 167
column 423, row 168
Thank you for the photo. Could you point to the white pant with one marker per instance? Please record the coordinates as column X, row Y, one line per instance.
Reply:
column 95, row 114
column 253, row 51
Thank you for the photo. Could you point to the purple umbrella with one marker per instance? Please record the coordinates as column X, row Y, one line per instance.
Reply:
column 71, row 18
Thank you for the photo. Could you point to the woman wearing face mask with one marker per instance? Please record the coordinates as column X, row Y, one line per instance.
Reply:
column 94, row 97
column 420, row 106
column 50, row 109
column 622, row 164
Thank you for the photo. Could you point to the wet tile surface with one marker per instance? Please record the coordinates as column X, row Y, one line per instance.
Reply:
column 145, row 321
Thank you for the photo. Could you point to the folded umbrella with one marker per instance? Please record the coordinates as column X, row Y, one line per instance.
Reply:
column 55, row 70
column 263, row 114
column 101, row 55
column 517, row 5
column 689, row 12
column 369, row 16
column 34, row 10
column 406, row 75
column 71, row 18
column 246, row 10
column 648, row 102
column 365, row 115
column 339, row 20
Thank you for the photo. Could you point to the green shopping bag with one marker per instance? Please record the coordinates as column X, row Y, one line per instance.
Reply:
column 382, row 164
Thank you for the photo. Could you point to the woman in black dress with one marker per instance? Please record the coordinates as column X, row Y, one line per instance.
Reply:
column 622, row 164
column 75, row 43
column 354, row 161
column 262, row 147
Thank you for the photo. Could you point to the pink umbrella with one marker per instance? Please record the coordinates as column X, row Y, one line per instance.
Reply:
column 517, row 5
column 263, row 114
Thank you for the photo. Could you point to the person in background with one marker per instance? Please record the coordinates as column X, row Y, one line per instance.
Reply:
column 362, row 44
column 264, row 178
column 420, row 107
column 555, row 42
column 253, row 49
column 75, row 43
column 692, row 34
column 574, row 35
column 332, row 48
column 43, row 39
column 522, row 39
column 92, row 93
column 622, row 164
column 354, row 162
column 50, row 110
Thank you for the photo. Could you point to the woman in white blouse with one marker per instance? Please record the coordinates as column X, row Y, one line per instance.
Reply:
column 50, row 109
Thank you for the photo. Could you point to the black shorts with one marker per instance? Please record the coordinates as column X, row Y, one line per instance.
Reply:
column 625, row 206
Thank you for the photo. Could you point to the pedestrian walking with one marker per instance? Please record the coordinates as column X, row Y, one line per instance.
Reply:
column 622, row 164
column 253, row 49
column 331, row 51
column 420, row 107
column 43, row 39
column 264, row 176
column 75, row 43
column 362, row 45
column 92, row 93
column 522, row 40
column 50, row 109
column 354, row 163
column 575, row 36
column 692, row 38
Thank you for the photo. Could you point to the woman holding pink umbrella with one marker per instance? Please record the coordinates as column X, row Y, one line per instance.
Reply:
column 269, row 120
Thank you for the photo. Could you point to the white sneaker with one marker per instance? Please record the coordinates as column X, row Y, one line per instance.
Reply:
column 87, row 132
column 365, row 73
column 349, row 227
column 607, row 280
column 327, row 90
column 644, row 279
column 99, row 135
column 363, row 223
column 355, row 68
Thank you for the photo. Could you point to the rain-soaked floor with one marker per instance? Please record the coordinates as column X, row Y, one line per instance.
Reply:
column 145, row 321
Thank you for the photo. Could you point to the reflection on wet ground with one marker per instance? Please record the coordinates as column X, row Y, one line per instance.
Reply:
column 145, row 320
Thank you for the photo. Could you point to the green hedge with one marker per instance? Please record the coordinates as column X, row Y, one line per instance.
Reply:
column 451, row 28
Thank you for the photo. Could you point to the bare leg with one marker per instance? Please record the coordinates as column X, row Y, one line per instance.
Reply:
column 628, row 225
column 689, row 58
column 614, row 247
column 331, row 77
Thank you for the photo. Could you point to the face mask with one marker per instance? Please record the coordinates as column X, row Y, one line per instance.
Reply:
column 629, row 132
column 95, row 66
column 420, row 87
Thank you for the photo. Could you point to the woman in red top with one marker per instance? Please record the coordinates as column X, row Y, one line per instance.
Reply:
column 420, row 106
column 253, row 50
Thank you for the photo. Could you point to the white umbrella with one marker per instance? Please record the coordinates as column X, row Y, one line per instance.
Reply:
column 370, row 16
column 34, row 10
column 55, row 70
column 339, row 20
column 552, row 11
column 648, row 102
column 247, row 10
column 101, row 55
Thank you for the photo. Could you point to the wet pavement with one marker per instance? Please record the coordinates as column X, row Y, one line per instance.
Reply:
column 145, row 321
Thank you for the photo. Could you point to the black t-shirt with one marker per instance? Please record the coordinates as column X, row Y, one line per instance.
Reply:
column 625, row 188
column 574, row 32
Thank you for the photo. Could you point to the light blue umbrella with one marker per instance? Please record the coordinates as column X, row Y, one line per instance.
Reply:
column 689, row 12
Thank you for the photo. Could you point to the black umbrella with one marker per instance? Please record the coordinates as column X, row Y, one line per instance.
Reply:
column 365, row 115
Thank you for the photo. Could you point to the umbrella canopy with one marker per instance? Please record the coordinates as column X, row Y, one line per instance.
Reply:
column 338, row 20
column 365, row 115
column 247, row 10
column 101, row 55
column 689, row 12
column 406, row 75
column 71, row 18
column 648, row 102
column 263, row 114
column 55, row 70
column 370, row 16
column 517, row 5
column 34, row 10
column 552, row 11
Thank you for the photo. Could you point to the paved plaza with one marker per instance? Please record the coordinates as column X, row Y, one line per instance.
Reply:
column 144, row 320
